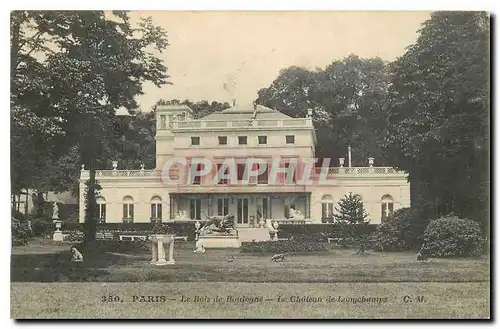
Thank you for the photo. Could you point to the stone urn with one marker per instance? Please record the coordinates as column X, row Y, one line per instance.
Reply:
column 158, row 247
column 58, row 235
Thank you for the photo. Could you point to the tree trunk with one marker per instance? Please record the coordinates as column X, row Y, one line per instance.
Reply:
column 90, row 207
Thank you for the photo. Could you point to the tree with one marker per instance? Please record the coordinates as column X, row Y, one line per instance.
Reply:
column 200, row 109
column 89, row 64
column 352, row 220
column 347, row 98
column 438, row 107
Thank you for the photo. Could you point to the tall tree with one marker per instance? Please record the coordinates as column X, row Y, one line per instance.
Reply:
column 89, row 64
column 439, row 113
column 347, row 98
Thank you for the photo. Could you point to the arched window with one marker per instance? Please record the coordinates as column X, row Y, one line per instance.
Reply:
column 387, row 207
column 128, row 209
column 156, row 208
column 101, row 209
column 327, row 206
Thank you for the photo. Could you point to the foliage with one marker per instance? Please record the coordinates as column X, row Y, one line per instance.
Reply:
column 20, row 234
column 316, row 232
column 74, row 236
column 75, row 69
column 438, row 107
column 282, row 246
column 352, row 220
column 397, row 233
column 41, row 226
column 347, row 97
column 453, row 237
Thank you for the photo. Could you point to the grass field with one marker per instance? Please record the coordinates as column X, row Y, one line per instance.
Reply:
column 45, row 286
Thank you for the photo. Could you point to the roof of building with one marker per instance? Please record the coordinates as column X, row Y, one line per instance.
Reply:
column 176, row 107
column 246, row 112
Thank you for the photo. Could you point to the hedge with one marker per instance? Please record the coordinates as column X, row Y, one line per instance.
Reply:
column 315, row 232
column 282, row 246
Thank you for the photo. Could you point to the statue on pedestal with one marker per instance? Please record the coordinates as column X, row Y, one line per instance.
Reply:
column 55, row 211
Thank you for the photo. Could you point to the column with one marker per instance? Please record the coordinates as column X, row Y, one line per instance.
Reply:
column 171, row 252
column 161, row 252
column 308, row 205
column 270, row 200
column 154, row 252
column 171, row 206
column 210, row 205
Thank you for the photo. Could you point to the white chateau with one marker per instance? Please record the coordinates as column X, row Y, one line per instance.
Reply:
column 240, row 133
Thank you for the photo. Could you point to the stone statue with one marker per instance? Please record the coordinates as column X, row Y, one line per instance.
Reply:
column 181, row 215
column 55, row 211
column 218, row 225
column 296, row 214
column 76, row 255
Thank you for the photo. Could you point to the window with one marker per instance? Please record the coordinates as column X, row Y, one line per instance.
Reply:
column 222, row 207
column 262, row 208
column 156, row 208
column 222, row 140
column 195, row 140
column 195, row 208
column 101, row 209
column 128, row 209
column 242, row 140
column 197, row 177
column 292, row 172
column 163, row 121
column 387, row 207
column 240, row 170
column 290, row 139
column 262, row 140
column 264, row 177
column 327, row 206
column 226, row 171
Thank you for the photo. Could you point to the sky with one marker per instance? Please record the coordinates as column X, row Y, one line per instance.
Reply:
column 221, row 56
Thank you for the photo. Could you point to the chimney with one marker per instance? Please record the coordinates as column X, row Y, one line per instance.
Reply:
column 349, row 153
column 234, row 102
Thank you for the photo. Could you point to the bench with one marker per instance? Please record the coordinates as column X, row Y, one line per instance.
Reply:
column 127, row 237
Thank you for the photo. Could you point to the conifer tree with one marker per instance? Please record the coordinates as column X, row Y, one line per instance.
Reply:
column 352, row 221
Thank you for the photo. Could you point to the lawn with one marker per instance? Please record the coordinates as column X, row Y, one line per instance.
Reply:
column 45, row 285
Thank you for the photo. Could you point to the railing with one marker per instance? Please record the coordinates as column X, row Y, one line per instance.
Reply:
column 359, row 170
column 331, row 171
column 200, row 124
column 126, row 173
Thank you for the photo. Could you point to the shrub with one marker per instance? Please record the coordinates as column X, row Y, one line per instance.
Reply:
column 452, row 237
column 75, row 236
column 396, row 233
column 315, row 232
column 41, row 227
column 20, row 234
column 282, row 246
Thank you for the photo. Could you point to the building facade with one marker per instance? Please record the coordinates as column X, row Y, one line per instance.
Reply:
column 172, row 191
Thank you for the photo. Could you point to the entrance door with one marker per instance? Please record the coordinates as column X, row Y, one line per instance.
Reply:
column 242, row 213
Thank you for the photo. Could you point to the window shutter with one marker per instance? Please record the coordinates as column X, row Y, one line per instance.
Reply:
column 131, row 210
column 159, row 205
column 153, row 210
column 125, row 210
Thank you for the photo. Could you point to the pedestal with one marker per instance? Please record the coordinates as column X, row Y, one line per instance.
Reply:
column 58, row 236
column 159, row 242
